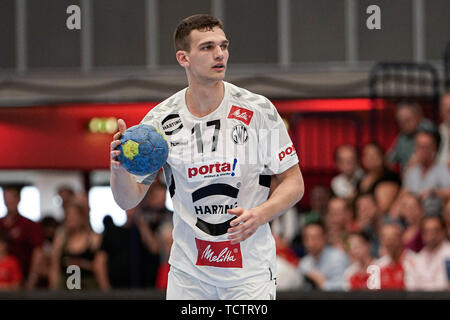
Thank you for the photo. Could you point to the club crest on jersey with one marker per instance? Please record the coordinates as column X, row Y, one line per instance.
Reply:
column 220, row 254
column 212, row 169
column 172, row 124
column 240, row 114
column 239, row 134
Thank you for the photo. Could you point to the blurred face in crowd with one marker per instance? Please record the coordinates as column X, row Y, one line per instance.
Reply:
column 319, row 199
column 314, row 239
column 391, row 239
column 411, row 209
column 407, row 119
column 425, row 148
column 346, row 161
column 366, row 208
column 156, row 196
column 74, row 218
column 445, row 109
column 3, row 248
column 358, row 248
column 339, row 215
column 12, row 199
column 432, row 232
column 447, row 218
column 372, row 158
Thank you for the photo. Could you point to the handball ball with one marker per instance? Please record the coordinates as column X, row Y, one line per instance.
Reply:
column 143, row 150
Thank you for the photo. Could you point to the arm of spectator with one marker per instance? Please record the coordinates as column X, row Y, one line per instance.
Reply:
column 37, row 259
column 100, row 268
column 147, row 236
column 55, row 260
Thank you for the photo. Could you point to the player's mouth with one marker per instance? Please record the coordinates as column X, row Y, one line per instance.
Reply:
column 219, row 67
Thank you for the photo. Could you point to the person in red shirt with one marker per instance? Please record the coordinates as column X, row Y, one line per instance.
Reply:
column 356, row 275
column 396, row 263
column 10, row 273
column 25, row 235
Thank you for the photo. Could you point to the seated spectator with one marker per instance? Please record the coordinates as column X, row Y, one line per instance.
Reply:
column 166, row 240
column 324, row 266
column 10, row 273
column 444, row 130
column 344, row 184
column 25, row 235
column 412, row 213
column 428, row 178
column 76, row 244
column 409, row 119
column 359, row 252
column 367, row 219
column 376, row 174
column 40, row 264
column 447, row 219
column 396, row 262
column 431, row 263
column 338, row 222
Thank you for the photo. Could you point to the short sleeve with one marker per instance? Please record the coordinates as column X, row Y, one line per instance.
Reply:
column 275, row 146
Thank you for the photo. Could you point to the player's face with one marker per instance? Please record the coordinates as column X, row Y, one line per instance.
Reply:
column 208, row 56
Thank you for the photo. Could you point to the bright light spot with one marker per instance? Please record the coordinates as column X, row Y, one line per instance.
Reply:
column 29, row 205
column 102, row 203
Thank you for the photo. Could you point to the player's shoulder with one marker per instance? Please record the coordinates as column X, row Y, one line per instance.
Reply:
column 163, row 109
column 246, row 98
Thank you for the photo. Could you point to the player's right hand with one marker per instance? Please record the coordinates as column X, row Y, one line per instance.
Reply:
column 115, row 164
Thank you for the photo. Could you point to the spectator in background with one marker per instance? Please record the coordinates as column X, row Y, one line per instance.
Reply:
column 338, row 222
column 41, row 264
column 166, row 240
column 409, row 120
column 431, row 264
column 396, row 262
column 428, row 178
column 444, row 130
column 359, row 246
column 344, row 184
column 324, row 266
column 447, row 219
column 25, row 235
column 412, row 214
column 377, row 175
column 367, row 220
column 76, row 244
column 66, row 194
column 10, row 272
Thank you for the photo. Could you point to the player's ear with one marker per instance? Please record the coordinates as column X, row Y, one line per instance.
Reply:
column 182, row 58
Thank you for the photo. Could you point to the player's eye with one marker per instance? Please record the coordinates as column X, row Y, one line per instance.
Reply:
column 208, row 47
column 224, row 46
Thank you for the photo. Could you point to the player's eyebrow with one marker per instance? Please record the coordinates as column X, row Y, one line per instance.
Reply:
column 212, row 42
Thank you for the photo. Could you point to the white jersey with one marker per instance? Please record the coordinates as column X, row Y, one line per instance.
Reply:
column 217, row 162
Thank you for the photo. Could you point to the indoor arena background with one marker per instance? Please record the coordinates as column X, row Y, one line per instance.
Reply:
column 335, row 69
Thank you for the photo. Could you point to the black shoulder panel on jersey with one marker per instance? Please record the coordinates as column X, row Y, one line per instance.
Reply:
column 264, row 180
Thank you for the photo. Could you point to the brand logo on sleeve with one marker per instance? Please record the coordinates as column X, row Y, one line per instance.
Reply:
column 220, row 254
column 240, row 114
column 287, row 151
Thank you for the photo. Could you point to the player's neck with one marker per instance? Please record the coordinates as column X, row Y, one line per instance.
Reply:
column 202, row 99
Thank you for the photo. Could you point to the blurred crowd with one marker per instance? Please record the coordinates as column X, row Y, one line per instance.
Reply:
column 382, row 223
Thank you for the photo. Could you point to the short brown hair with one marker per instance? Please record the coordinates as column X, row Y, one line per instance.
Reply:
column 202, row 22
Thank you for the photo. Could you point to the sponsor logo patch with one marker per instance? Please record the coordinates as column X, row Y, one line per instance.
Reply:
column 286, row 152
column 220, row 254
column 212, row 169
column 172, row 124
column 240, row 114
column 239, row 134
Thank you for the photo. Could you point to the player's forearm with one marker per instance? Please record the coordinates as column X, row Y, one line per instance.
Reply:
column 286, row 194
column 126, row 191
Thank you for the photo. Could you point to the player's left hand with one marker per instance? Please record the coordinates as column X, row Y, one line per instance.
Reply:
column 244, row 225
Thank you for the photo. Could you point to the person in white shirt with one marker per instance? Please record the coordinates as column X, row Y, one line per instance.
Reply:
column 226, row 145
column 344, row 184
column 432, row 263
column 444, row 131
